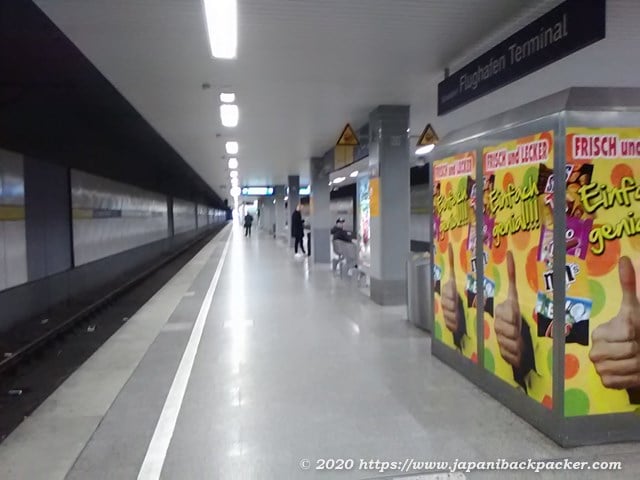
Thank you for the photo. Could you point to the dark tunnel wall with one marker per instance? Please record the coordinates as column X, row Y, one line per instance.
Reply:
column 56, row 106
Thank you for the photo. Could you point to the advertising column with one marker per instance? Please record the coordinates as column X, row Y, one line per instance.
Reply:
column 602, row 360
column 454, row 234
column 518, row 255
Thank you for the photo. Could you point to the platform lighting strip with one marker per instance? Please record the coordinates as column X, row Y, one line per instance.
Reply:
column 232, row 148
column 229, row 115
column 227, row 97
column 222, row 26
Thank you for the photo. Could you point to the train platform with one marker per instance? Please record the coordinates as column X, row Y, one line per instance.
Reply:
column 253, row 364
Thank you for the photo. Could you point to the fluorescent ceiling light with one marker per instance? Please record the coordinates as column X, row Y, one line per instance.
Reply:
column 231, row 147
column 235, row 192
column 233, row 174
column 286, row 198
column 222, row 25
column 354, row 174
column 425, row 149
column 227, row 97
column 233, row 163
column 305, row 190
column 229, row 114
column 338, row 180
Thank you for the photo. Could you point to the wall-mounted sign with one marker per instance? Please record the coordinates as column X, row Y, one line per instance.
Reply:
column 564, row 30
column 257, row 191
column 343, row 153
column 428, row 137
column 348, row 137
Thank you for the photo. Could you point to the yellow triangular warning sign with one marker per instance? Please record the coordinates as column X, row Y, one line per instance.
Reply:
column 428, row 137
column 348, row 137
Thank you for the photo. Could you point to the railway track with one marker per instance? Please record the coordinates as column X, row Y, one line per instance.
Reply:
column 31, row 373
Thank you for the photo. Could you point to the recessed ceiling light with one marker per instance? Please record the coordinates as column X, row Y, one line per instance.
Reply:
column 425, row 149
column 222, row 25
column 233, row 163
column 232, row 148
column 229, row 114
column 233, row 174
column 235, row 192
column 354, row 174
column 227, row 97
column 338, row 180
column 234, row 182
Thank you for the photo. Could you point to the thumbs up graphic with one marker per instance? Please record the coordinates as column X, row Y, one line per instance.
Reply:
column 450, row 297
column 615, row 352
column 508, row 321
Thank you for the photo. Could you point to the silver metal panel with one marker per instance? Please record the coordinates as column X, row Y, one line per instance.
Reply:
column 616, row 99
column 111, row 217
column 13, row 252
column 184, row 216
column 420, row 213
column 610, row 101
column 203, row 216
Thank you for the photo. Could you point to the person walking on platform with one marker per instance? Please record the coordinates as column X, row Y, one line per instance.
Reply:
column 248, row 222
column 297, row 230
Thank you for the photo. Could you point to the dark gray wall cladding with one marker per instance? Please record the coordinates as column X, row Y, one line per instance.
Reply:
column 48, row 218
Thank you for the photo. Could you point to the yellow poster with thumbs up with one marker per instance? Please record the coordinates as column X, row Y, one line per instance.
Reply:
column 518, row 251
column 454, row 233
column 602, row 373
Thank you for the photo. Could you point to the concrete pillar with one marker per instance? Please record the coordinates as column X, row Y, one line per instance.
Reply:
column 389, row 191
column 268, row 216
column 279, row 192
column 294, row 199
column 320, row 213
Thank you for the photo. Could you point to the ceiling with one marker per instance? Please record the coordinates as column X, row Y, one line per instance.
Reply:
column 304, row 69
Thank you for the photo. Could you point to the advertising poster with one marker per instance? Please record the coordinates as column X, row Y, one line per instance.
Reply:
column 454, row 233
column 602, row 354
column 518, row 255
column 374, row 197
column 364, row 230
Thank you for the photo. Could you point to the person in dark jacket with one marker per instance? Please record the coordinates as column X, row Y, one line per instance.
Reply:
column 297, row 229
column 347, row 247
column 248, row 222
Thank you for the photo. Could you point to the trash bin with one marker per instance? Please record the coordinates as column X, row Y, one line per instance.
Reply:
column 419, row 290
